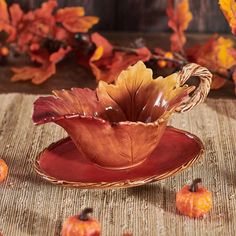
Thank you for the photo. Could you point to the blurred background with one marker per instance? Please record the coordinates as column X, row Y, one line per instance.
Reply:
column 122, row 22
column 143, row 15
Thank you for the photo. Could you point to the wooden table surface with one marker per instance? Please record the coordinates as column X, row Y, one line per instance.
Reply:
column 32, row 206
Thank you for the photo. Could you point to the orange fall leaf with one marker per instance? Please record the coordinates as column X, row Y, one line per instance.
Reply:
column 59, row 55
column 73, row 19
column 4, row 17
column 16, row 14
column 228, row 8
column 36, row 74
column 106, row 64
column 179, row 19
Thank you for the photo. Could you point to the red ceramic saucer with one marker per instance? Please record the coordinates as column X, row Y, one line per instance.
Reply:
column 61, row 163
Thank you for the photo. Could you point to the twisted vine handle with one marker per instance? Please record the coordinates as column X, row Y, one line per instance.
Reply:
column 201, row 91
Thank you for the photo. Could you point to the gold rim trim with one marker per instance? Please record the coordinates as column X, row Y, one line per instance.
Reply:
column 122, row 183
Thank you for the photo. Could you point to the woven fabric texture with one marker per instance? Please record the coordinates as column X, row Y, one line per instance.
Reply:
column 31, row 206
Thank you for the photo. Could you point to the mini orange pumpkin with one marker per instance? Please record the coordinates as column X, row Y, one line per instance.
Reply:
column 3, row 170
column 81, row 225
column 194, row 200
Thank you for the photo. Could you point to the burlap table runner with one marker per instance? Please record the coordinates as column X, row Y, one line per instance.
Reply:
column 31, row 206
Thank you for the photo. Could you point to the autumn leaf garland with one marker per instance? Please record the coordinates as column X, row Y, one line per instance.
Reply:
column 48, row 34
column 46, row 37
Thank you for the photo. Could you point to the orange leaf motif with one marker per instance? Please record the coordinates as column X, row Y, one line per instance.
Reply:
column 73, row 19
column 179, row 18
column 228, row 7
column 107, row 64
column 113, row 112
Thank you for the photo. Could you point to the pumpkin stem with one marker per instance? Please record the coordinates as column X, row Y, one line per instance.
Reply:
column 84, row 214
column 194, row 185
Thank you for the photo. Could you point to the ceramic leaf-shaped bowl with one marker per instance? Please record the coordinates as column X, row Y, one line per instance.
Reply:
column 119, row 125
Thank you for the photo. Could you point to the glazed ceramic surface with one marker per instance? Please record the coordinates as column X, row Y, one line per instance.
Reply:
column 119, row 125
column 62, row 163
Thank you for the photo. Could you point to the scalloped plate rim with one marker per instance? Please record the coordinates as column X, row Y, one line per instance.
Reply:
column 122, row 183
